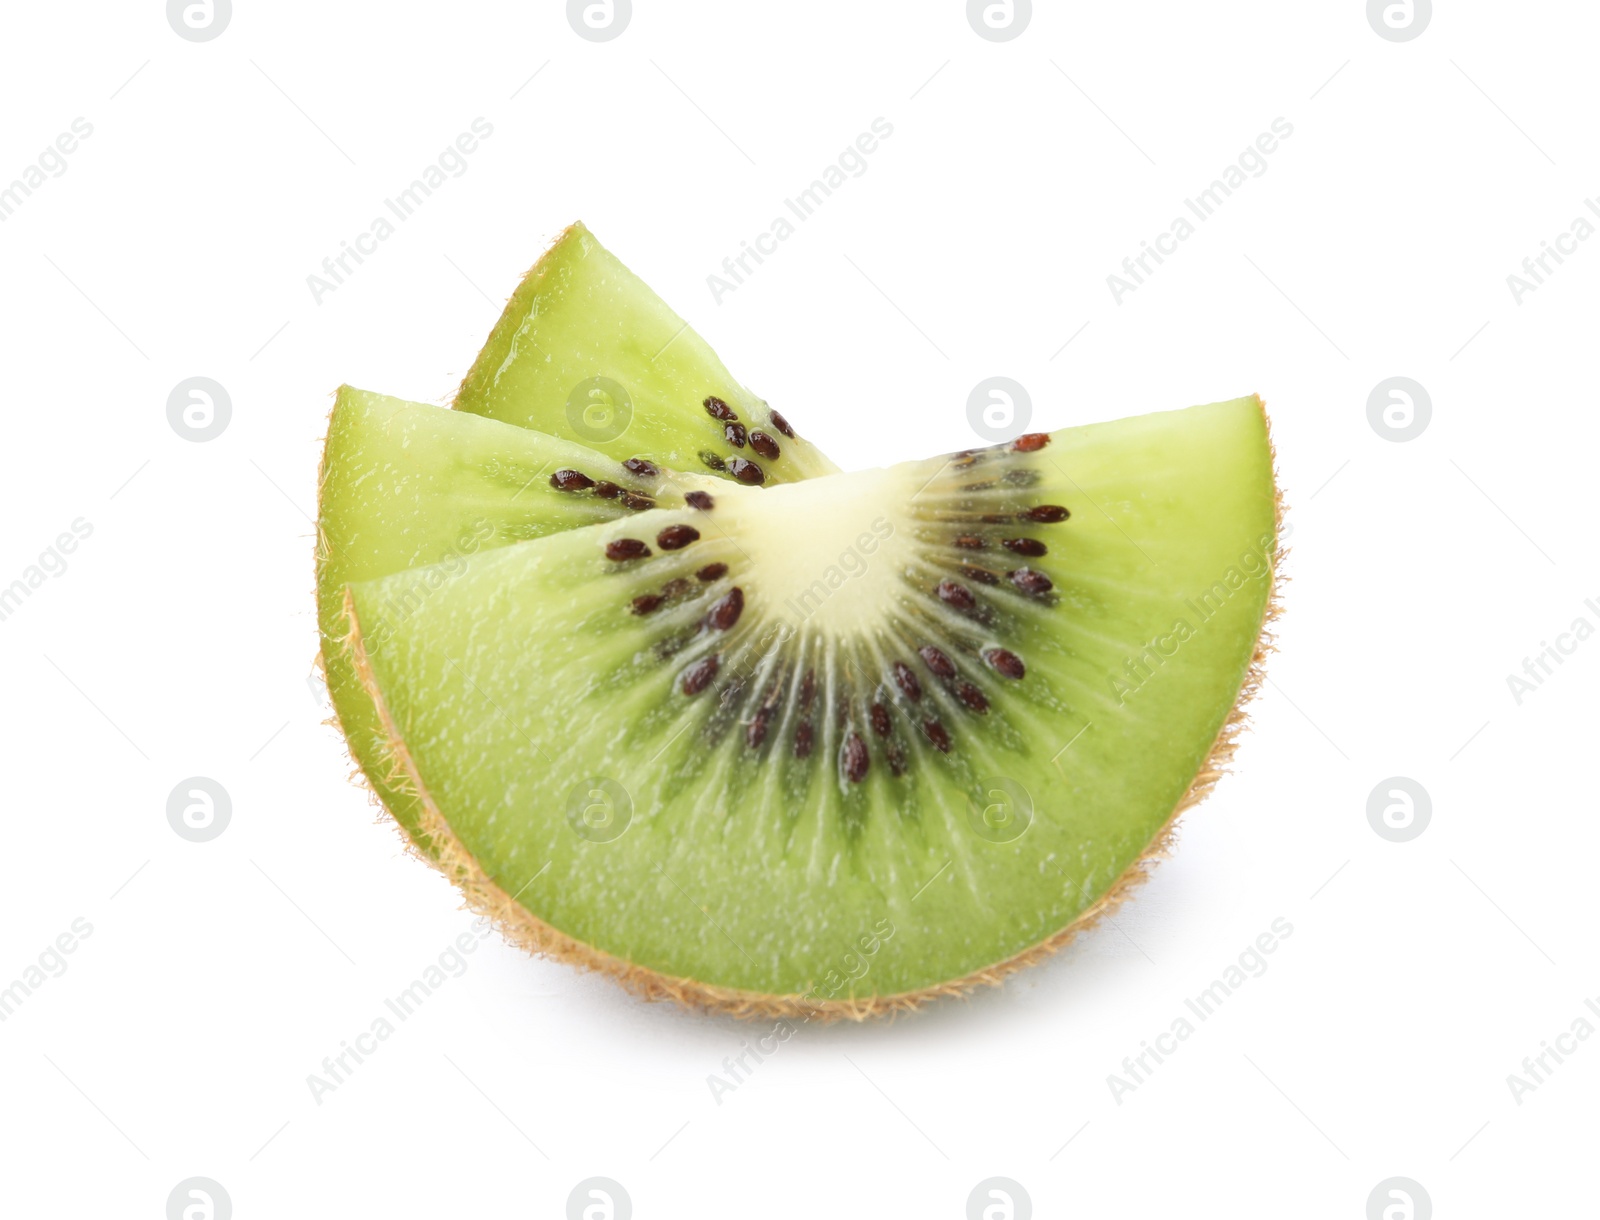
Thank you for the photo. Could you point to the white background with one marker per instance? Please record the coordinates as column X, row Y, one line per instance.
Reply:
column 180, row 638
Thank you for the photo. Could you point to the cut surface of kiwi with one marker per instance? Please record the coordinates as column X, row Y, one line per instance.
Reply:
column 586, row 351
column 406, row 485
column 833, row 748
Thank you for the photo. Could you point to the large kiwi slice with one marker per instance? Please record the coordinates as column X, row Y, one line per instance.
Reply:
column 405, row 485
column 585, row 350
column 832, row 748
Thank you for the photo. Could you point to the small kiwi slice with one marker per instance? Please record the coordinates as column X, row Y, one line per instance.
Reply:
column 585, row 350
column 405, row 485
column 833, row 748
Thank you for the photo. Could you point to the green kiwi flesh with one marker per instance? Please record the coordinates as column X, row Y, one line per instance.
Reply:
column 586, row 351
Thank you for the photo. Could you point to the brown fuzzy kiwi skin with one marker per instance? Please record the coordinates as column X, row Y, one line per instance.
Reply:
column 526, row 930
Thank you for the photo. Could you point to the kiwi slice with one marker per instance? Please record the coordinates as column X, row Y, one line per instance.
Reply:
column 586, row 351
column 405, row 485
column 833, row 748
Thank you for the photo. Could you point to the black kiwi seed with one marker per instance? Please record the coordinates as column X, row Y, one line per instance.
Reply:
column 765, row 446
column 1030, row 581
column 1031, row 547
column 1028, row 442
column 802, row 740
column 642, row 468
column 970, row 542
column 699, row 675
column 647, row 603
column 782, row 425
column 718, row 409
column 699, row 499
column 735, row 435
column 638, row 503
column 676, row 537
column 972, row 697
column 1005, row 662
column 711, row 460
column 907, row 681
column 1047, row 513
column 712, row 571
column 746, row 471
column 756, row 731
column 570, row 480
column 606, row 489
column 956, row 595
column 675, row 588
column 935, row 733
column 626, row 548
column 936, row 661
column 880, row 720
column 808, row 688
column 854, row 759
column 725, row 612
